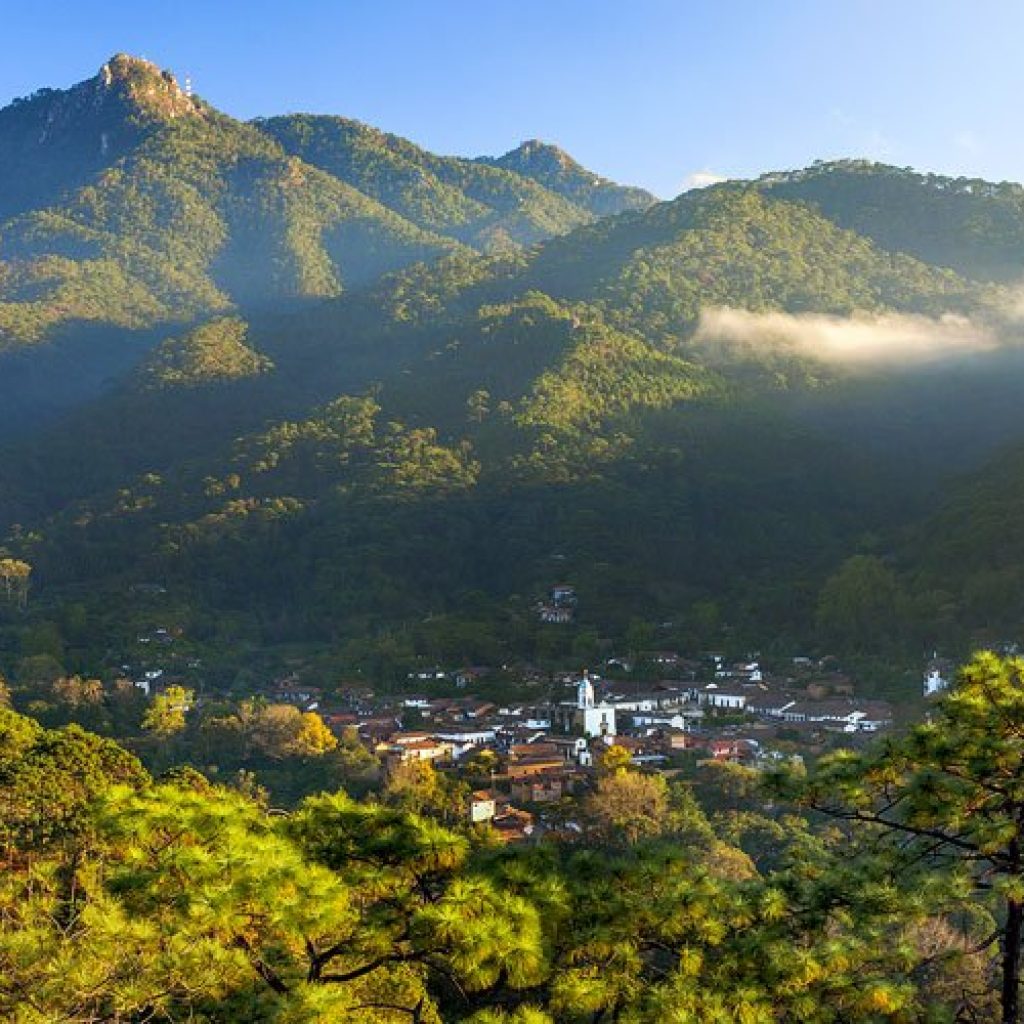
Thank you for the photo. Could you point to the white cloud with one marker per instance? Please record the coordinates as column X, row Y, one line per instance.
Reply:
column 701, row 179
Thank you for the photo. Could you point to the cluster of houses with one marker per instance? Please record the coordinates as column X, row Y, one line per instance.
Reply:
column 560, row 606
column 546, row 749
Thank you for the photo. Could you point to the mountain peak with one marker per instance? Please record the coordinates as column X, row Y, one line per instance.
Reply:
column 553, row 168
column 143, row 86
column 540, row 156
column 55, row 139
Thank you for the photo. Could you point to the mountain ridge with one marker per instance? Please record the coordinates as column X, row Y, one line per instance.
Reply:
column 352, row 383
column 128, row 156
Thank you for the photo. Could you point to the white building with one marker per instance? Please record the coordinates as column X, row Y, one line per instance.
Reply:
column 936, row 679
column 482, row 806
column 713, row 696
column 586, row 716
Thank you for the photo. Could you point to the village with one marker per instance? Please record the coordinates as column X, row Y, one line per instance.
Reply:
column 526, row 759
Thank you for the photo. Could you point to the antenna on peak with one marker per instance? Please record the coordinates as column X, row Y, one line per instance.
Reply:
column 188, row 86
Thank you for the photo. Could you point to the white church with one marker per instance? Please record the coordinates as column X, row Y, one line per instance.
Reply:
column 936, row 679
column 585, row 715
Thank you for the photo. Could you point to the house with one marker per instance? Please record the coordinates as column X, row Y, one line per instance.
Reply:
column 151, row 681
column 469, row 675
column 866, row 716
column 642, row 749
column 538, row 789
column 377, row 728
column 428, row 673
column 404, row 749
column 554, row 614
column 528, row 767
column 478, row 709
column 721, row 699
column 291, row 691
column 464, row 739
column 769, row 705
column 518, row 735
column 338, row 721
column 570, row 748
column 528, row 751
column 417, row 701
column 538, row 721
column 733, row 750
column 513, row 825
column 482, row 806
column 667, row 659
column 661, row 720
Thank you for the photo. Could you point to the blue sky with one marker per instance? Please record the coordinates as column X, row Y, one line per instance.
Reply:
column 646, row 91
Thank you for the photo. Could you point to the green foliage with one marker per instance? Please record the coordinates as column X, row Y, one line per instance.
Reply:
column 183, row 899
column 214, row 351
column 975, row 227
column 48, row 780
column 490, row 205
column 732, row 246
column 948, row 796
column 165, row 715
column 555, row 169
column 858, row 604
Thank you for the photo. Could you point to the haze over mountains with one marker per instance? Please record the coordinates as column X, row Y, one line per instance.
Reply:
column 324, row 383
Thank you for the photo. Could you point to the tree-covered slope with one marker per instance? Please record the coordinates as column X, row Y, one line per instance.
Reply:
column 558, row 171
column 970, row 547
column 730, row 246
column 56, row 139
column 204, row 213
column 488, row 205
column 447, row 428
column 976, row 227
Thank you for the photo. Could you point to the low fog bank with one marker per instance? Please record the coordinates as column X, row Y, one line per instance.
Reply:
column 863, row 340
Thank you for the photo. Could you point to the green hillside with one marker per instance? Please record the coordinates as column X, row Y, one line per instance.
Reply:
column 730, row 246
column 203, row 214
column 973, row 226
column 556, row 170
column 344, row 417
column 489, row 205
column 56, row 140
column 509, row 424
column 970, row 548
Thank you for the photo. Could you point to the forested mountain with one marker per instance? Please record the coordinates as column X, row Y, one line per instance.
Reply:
column 166, row 231
column 974, row 226
column 128, row 206
column 488, row 204
column 326, row 385
column 556, row 170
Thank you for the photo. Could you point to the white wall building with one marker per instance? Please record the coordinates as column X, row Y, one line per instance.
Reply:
column 713, row 696
column 934, row 681
column 586, row 716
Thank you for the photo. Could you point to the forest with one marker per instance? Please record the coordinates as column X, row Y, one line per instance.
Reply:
column 880, row 886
